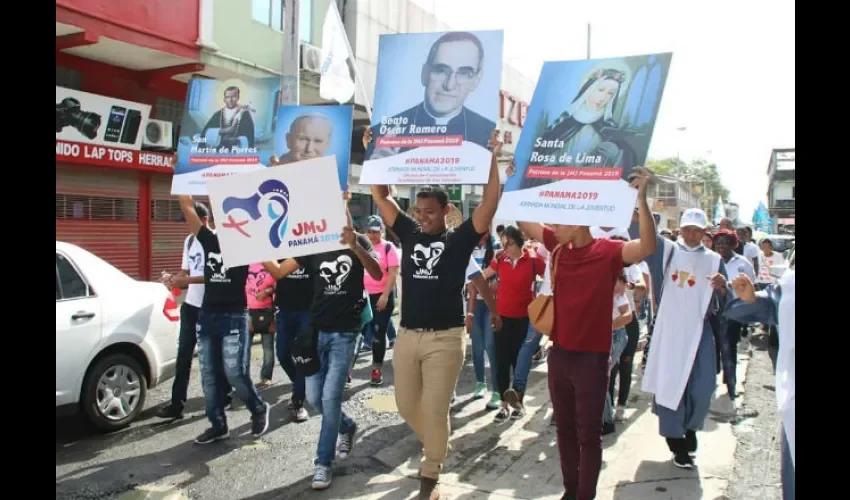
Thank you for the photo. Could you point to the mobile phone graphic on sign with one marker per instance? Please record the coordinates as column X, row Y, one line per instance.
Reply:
column 131, row 127
column 115, row 124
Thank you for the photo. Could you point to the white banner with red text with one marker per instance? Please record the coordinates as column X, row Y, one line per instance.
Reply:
column 106, row 156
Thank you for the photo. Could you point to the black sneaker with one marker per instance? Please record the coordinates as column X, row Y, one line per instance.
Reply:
column 212, row 434
column 260, row 421
column 345, row 443
column 171, row 412
column 683, row 461
column 691, row 443
column 608, row 428
column 518, row 413
column 502, row 415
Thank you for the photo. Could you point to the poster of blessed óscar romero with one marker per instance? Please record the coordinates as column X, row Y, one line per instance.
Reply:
column 589, row 124
column 274, row 213
column 436, row 104
column 227, row 129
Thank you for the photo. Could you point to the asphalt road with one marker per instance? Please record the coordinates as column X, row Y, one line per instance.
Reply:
column 757, row 458
column 157, row 455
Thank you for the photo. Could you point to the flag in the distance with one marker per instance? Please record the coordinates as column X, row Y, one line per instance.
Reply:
column 336, row 82
column 719, row 211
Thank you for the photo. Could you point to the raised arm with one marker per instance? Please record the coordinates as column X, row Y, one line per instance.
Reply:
column 363, row 250
column 636, row 250
column 387, row 206
column 483, row 214
column 187, row 205
column 280, row 271
column 533, row 230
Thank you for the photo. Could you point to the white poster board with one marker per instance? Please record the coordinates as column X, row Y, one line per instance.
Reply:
column 275, row 213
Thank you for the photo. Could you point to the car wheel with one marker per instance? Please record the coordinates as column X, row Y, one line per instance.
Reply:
column 114, row 392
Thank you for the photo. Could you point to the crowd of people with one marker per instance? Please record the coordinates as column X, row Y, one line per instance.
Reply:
column 696, row 291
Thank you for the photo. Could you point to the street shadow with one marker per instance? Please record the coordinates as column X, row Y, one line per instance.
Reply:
column 660, row 480
column 184, row 458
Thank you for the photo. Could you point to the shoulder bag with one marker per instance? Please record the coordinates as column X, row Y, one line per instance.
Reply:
column 541, row 311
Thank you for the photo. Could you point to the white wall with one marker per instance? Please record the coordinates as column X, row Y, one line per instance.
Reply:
column 783, row 190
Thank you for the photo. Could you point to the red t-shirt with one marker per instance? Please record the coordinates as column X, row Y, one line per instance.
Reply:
column 584, row 293
column 515, row 283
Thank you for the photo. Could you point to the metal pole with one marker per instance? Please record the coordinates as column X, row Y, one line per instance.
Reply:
column 588, row 40
column 290, row 68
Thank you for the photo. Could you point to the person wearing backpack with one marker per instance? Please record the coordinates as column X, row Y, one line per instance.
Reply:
column 191, row 277
column 381, row 296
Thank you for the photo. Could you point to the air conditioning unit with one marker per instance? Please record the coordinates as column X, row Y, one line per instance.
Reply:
column 158, row 135
column 311, row 58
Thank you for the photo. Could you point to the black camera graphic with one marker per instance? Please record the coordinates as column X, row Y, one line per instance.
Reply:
column 68, row 112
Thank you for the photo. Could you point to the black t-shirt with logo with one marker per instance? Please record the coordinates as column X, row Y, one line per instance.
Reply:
column 337, row 287
column 295, row 291
column 433, row 273
column 224, row 287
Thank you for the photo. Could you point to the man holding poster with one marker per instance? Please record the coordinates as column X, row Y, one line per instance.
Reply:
column 590, row 122
column 338, row 300
column 443, row 138
column 429, row 351
column 584, row 272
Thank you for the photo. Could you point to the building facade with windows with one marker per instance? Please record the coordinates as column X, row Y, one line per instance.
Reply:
column 782, row 190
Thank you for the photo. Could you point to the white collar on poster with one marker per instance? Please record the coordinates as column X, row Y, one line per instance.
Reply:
column 445, row 119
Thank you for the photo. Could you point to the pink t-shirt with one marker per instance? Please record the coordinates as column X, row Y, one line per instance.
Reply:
column 387, row 258
column 258, row 280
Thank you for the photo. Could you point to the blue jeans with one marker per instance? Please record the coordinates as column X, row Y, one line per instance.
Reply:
column 523, row 362
column 618, row 345
column 288, row 325
column 787, row 471
column 325, row 388
column 224, row 351
column 483, row 341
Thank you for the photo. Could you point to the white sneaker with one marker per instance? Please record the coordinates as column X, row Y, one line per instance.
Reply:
column 618, row 414
column 321, row 477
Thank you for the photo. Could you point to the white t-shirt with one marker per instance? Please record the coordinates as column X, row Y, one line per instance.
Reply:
column 619, row 300
column 737, row 265
column 751, row 251
column 601, row 234
column 193, row 262
column 634, row 275
column 771, row 268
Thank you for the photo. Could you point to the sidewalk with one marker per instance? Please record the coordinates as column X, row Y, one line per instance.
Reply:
column 520, row 459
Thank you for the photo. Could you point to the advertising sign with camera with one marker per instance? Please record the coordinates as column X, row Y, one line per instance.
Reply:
column 86, row 118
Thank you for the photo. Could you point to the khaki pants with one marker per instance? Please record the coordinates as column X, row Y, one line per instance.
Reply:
column 426, row 365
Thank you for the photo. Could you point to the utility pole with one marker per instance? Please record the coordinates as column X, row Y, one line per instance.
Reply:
column 588, row 40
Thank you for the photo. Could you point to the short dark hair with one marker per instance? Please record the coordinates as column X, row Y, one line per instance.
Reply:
column 201, row 210
column 513, row 233
column 435, row 192
column 232, row 87
column 456, row 36
column 500, row 229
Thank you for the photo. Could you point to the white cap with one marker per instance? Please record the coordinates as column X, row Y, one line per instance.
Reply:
column 694, row 217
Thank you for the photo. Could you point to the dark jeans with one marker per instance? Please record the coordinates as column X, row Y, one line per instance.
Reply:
column 625, row 365
column 508, row 344
column 733, row 331
column 185, row 351
column 288, row 325
column 380, row 326
column 225, row 351
column 577, row 387
column 267, row 369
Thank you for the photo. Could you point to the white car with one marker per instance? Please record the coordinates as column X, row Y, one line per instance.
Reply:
column 116, row 337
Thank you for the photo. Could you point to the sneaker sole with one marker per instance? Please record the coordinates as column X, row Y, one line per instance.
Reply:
column 376, row 384
column 217, row 438
column 265, row 427
column 321, row 486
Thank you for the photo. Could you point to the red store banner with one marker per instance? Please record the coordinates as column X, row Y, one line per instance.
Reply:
column 107, row 156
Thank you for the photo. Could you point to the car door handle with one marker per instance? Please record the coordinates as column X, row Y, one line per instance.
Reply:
column 82, row 315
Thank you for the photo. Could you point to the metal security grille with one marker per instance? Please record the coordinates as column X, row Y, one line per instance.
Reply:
column 98, row 209
column 168, row 226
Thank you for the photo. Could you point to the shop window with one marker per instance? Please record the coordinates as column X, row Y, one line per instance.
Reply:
column 70, row 206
